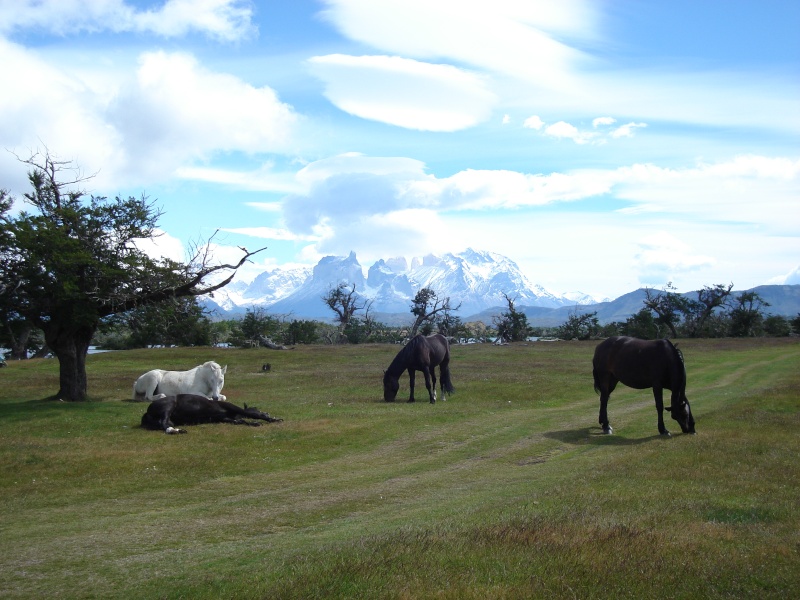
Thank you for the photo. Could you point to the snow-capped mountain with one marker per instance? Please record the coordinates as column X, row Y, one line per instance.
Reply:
column 475, row 280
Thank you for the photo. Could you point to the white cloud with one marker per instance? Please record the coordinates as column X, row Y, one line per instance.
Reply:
column 564, row 130
column 530, row 48
column 792, row 278
column 626, row 130
column 662, row 256
column 226, row 20
column 505, row 36
column 270, row 233
column 138, row 127
column 378, row 204
column 264, row 179
column 404, row 92
column 162, row 245
column 533, row 122
column 176, row 110
column 603, row 121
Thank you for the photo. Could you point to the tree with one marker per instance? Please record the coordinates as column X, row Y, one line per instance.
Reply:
column 668, row 305
column 426, row 305
column 777, row 326
column 301, row 332
column 257, row 324
column 344, row 302
column 512, row 325
column 173, row 322
column 642, row 325
column 699, row 311
column 746, row 316
column 73, row 261
column 579, row 327
column 795, row 323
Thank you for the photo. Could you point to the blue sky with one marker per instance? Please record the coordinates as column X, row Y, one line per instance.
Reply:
column 601, row 145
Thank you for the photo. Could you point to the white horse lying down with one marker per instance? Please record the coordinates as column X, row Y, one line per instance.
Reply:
column 204, row 380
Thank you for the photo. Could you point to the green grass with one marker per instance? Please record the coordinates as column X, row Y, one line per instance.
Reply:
column 506, row 490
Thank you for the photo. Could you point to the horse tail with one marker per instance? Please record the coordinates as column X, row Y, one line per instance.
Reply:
column 596, row 377
column 444, row 373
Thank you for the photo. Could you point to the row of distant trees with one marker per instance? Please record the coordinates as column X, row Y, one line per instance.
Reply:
column 715, row 312
column 182, row 322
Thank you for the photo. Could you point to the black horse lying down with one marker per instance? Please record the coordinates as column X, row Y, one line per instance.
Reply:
column 191, row 409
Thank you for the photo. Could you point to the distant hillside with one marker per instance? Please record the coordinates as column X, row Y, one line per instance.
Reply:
column 783, row 300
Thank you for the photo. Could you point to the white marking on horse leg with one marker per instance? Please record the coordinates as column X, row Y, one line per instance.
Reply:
column 172, row 430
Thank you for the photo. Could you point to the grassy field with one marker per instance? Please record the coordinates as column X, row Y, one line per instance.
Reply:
column 506, row 490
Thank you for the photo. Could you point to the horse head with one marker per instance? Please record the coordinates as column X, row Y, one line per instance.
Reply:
column 683, row 414
column 216, row 379
column 390, row 387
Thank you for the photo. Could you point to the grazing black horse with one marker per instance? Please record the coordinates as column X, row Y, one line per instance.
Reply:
column 420, row 354
column 191, row 409
column 643, row 364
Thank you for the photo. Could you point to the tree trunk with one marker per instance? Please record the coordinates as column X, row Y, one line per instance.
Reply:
column 19, row 342
column 70, row 345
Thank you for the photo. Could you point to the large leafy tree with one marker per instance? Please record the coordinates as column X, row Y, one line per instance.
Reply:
column 72, row 261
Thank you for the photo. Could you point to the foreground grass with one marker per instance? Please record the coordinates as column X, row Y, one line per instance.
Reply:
column 506, row 490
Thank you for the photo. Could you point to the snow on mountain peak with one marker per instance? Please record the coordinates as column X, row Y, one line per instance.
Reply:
column 476, row 280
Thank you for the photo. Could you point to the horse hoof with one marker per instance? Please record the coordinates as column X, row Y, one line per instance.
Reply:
column 666, row 434
column 608, row 430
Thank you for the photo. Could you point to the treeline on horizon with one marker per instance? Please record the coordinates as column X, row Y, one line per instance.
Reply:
column 716, row 312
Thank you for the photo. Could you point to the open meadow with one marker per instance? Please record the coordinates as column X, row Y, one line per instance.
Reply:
column 507, row 489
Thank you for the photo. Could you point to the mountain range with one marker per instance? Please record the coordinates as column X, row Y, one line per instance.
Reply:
column 477, row 281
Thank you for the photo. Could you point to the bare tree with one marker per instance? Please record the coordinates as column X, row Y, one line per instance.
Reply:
column 512, row 325
column 344, row 302
column 426, row 306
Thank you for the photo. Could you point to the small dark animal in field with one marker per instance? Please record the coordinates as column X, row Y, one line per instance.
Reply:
column 190, row 409
column 420, row 354
column 266, row 367
column 643, row 364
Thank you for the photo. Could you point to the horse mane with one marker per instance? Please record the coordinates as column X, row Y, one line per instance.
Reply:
column 677, row 351
column 398, row 365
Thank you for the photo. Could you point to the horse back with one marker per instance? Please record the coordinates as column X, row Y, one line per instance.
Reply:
column 639, row 363
column 432, row 350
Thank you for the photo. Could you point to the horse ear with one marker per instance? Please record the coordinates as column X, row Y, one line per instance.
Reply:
column 224, row 369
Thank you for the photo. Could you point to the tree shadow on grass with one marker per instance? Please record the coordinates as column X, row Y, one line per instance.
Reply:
column 595, row 435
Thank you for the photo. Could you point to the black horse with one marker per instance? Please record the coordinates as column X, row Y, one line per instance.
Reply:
column 422, row 353
column 643, row 364
column 192, row 409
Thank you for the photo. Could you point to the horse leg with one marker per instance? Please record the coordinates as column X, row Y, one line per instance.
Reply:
column 433, row 385
column 431, row 389
column 658, row 394
column 411, row 377
column 604, row 396
column 168, row 426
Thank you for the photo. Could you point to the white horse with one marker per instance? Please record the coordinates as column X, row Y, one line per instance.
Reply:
column 204, row 380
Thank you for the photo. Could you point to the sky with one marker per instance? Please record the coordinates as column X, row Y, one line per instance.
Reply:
column 603, row 145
